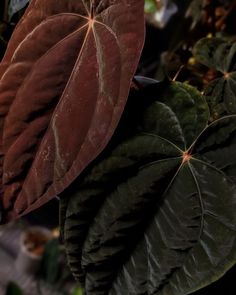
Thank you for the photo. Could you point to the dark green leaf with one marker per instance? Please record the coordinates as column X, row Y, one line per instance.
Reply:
column 186, row 113
column 221, row 96
column 220, row 55
column 50, row 267
column 156, row 213
column 216, row 53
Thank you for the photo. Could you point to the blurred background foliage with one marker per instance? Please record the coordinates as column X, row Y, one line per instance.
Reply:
column 173, row 28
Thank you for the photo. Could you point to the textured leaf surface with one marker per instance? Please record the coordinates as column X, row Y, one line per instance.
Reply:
column 156, row 213
column 64, row 83
column 220, row 55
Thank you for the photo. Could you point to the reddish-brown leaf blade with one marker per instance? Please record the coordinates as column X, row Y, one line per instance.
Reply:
column 64, row 83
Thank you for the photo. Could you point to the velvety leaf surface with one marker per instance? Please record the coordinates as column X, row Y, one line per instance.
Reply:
column 155, row 214
column 220, row 55
column 216, row 53
column 221, row 96
column 64, row 83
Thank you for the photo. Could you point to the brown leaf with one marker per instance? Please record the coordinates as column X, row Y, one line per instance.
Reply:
column 64, row 82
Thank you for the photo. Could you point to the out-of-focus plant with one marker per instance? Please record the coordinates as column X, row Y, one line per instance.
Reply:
column 159, row 12
column 13, row 289
column 150, row 6
column 54, row 270
column 15, row 6
column 202, row 18
column 77, row 291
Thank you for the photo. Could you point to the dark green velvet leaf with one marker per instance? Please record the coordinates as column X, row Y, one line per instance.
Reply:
column 221, row 96
column 155, row 214
column 216, row 53
column 183, row 105
column 220, row 55
column 185, row 247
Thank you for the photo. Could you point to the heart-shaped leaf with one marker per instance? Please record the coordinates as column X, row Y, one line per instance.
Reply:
column 220, row 55
column 64, row 83
column 156, row 213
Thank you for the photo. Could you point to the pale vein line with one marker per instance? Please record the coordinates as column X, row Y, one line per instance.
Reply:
column 36, row 63
column 164, row 139
column 108, row 28
column 107, row 8
column 201, row 228
column 97, row 46
column 200, row 198
column 50, row 123
column 37, row 28
column 212, row 167
column 95, row 39
column 72, row 72
column 66, row 14
column 86, row 8
column 173, row 179
column 159, row 161
column 208, row 126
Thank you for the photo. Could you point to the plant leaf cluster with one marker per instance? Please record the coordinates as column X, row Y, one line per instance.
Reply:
column 153, row 212
column 220, row 55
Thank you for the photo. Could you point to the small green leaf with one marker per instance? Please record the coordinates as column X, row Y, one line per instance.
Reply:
column 220, row 55
column 150, row 6
column 221, row 96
